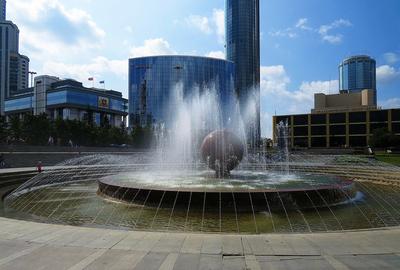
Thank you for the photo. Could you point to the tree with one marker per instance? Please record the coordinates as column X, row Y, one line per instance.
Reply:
column 36, row 129
column 142, row 137
column 383, row 138
column 4, row 132
column 15, row 128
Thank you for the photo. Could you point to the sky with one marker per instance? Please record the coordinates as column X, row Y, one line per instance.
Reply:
column 302, row 42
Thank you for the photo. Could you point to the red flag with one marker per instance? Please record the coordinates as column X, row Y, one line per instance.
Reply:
column 90, row 79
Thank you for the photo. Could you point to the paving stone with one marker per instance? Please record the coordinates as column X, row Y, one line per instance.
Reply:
column 50, row 258
column 210, row 262
column 293, row 262
column 116, row 260
column 169, row 243
column 232, row 245
column 252, row 263
column 279, row 245
column 131, row 240
column 187, row 261
column 152, row 261
column 233, row 263
column 387, row 261
column 169, row 262
column 212, row 245
column 259, row 245
column 147, row 242
column 192, row 244
column 107, row 241
column 10, row 248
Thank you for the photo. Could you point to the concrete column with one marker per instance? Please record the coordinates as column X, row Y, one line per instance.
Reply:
column 328, row 137
column 390, row 127
column 347, row 130
column 292, row 130
column 367, row 122
column 274, row 129
column 309, row 131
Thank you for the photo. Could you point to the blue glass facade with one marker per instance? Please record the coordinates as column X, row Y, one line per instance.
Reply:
column 153, row 82
column 243, row 48
column 19, row 104
column 357, row 73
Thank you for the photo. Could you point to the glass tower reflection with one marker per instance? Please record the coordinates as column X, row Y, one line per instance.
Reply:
column 153, row 83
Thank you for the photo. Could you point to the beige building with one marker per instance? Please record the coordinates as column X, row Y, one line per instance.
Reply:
column 350, row 101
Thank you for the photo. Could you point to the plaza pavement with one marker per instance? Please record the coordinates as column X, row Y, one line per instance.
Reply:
column 29, row 245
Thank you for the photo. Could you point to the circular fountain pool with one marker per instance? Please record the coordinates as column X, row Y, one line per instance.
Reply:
column 246, row 190
column 311, row 198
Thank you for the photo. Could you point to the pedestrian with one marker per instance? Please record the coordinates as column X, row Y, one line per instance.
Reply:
column 39, row 167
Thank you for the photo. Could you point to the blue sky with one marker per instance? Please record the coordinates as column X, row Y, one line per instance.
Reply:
column 302, row 42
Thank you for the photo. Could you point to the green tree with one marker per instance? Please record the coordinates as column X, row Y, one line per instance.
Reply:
column 383, row 138
column 36, row 129
column 15, row 128
column 4, row 132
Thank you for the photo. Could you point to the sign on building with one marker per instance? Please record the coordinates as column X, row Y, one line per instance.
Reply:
column 104, row 103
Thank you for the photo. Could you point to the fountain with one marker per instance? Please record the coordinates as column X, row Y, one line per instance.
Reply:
column 201, row 177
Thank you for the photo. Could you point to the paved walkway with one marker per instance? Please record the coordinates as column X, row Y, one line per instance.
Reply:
column 28, row 245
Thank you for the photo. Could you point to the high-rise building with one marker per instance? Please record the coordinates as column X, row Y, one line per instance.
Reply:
column 357, row 73
column 2, row 10
column 14, row 67
column 243, row 48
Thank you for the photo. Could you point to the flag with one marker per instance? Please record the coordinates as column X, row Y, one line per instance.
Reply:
column 102, row 82
column 90, row 79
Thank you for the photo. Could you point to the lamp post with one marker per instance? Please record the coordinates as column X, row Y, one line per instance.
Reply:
column 32, row 73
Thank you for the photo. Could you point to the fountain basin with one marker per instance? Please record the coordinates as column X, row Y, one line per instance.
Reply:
column 245, row 191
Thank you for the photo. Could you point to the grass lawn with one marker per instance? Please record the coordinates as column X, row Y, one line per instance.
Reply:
column 389, row 158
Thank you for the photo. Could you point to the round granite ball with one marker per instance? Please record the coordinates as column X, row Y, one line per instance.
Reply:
column 222, row 151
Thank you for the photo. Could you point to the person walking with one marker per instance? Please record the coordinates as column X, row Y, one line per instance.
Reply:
column 39, row 167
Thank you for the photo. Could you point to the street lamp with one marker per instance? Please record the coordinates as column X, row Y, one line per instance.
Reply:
column 32, row 73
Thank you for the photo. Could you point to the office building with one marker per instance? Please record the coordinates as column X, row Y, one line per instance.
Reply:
column 346, row 119
column 14, row 67
column 357, row 73
column 153, row 83
column 338, row 129
column 243, row 48
column 3, row 10
column 69, row 100
column 345, row 101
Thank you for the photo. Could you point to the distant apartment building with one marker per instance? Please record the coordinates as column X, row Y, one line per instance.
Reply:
column 14, row 67
column 346, row 119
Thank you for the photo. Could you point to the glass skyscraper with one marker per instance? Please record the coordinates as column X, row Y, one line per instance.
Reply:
column 357, row 73
column 3, row 10
column 153, row 83
column 243, row 48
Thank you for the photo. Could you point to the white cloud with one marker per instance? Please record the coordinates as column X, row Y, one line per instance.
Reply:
column 219, row 21
column 391, row 58
column 302, row 24
column 386, row 74
column 96, row 68
column 288, row 32
column 199, row 22
column 151, row 47
column 216, row 54
column 324, row 31
column 277, row 97
column 214, row 24
column 390, row 103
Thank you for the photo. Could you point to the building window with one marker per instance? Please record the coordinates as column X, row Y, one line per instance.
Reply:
column 318, row 130
column 301, row 120
column 336, row 141
column 337, row 118
column 379, row 116
column 358, row 129
column 318, row 119
column 318, row 142
column 300, row 131
column 337, row 130
column 357, row 117
column 358, row 141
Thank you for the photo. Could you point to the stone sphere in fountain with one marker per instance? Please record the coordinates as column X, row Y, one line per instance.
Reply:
column 222, row 151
